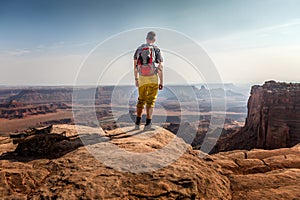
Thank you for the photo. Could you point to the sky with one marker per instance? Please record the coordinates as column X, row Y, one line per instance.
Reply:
column 46, row 42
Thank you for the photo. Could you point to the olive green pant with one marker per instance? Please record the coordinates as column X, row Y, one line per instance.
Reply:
column 147, row 95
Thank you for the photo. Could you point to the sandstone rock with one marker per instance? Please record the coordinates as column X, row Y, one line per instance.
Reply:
column 273, row 119
column 77, row 174
column 14, row 109
column 261, row 174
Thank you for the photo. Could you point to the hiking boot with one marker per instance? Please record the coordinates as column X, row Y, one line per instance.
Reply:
column 137, row 127
column 148, row 127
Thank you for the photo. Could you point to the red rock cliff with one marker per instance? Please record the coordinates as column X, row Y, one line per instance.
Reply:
column 273, row 119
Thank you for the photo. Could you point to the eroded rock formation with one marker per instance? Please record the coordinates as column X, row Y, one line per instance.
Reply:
column 15, row 109
column 273, row 119
column 77, row 174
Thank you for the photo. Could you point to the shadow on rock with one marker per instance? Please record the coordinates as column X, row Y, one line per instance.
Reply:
column 48, row 145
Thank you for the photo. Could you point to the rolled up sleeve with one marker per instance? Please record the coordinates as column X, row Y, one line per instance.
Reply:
column 158, row 54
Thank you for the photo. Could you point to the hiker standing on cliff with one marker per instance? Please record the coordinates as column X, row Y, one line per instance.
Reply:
column 147, row 69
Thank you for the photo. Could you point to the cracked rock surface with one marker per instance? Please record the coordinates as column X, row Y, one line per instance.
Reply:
column 261, row 174
column 77, row 174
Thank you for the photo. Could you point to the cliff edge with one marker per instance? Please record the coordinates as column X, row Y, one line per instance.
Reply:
column 72, row 172
column 273, row 119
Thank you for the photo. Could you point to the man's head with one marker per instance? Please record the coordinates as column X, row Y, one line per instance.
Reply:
column 151, row 37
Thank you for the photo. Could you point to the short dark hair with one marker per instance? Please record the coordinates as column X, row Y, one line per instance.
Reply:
column 151, row 35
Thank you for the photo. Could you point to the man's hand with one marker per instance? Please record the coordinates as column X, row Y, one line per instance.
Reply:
column 160, row 86
column 160, row 75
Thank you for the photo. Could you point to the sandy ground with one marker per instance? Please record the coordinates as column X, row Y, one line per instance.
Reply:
column 8, row 126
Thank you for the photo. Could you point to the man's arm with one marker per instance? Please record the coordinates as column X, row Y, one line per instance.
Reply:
column 159, row 60
column 160, row 75
column 135, row 73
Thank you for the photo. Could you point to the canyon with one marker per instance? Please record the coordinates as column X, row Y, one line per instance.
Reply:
column 273, row 119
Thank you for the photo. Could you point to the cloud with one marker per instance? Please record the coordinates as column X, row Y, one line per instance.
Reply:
column 284, row 34
column 16, row 52
column 259, row 64
column 57, row 45
column 81, row 44
column 294, row 22
column 62, row 44
column 257, row 55
column 41, row 70
column 44, row 49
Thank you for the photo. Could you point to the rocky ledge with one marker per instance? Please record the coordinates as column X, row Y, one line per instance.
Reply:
column 76, row 174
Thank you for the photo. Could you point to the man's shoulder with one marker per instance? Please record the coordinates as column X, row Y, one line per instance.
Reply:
column 142, row 46
column 155, row 47
column 146, row 45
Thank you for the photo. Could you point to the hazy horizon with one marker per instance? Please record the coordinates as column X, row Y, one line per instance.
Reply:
column 167, row 84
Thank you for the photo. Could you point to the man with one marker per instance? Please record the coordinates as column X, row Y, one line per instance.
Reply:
column 146, row 75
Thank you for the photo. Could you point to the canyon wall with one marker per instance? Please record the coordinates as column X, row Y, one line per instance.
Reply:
column 273, row 119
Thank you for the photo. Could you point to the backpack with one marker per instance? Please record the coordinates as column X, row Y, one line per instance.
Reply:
column 145, row 60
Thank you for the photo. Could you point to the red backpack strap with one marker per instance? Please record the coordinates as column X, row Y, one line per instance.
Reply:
column 139, row 60
column 151, row 55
